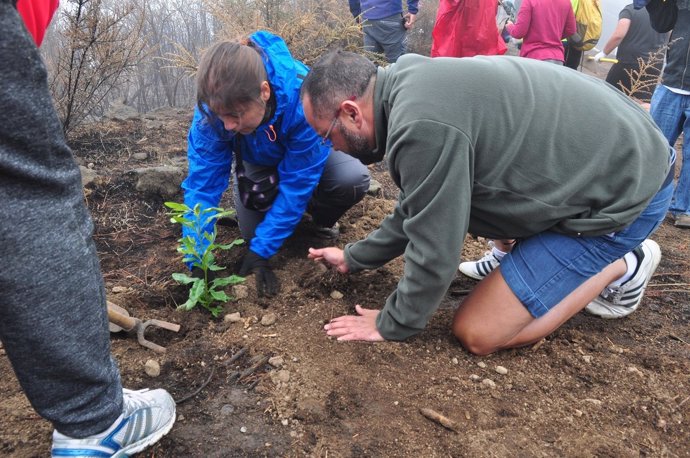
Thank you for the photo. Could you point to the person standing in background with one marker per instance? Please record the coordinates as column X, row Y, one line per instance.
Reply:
column 670, row 105
column 635, row 39
column 573, row 56
column 385, row 25
column 542, row 24
column 466, row 28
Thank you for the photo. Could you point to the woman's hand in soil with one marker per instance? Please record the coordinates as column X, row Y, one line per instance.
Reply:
column 267, row 283
column 331, row 255
column 355, row 327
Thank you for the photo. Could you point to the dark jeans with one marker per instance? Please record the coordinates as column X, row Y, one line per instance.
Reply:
column 53, row 319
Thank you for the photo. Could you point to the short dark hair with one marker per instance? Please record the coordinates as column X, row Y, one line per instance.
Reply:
column 337, row 76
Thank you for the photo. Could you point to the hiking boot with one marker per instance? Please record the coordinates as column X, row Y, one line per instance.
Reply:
column 481, row 268
column 146, row 417
column 682, row 221
column 619, row 301
column 327, row 233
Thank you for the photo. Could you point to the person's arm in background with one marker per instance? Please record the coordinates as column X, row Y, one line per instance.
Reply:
column 522, row 23
column 37, row 16
column 570, row 26
column 411, row 15
column 355, row 9
column 616, row 37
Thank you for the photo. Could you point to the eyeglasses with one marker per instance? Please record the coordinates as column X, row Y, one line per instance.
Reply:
column 326, row 136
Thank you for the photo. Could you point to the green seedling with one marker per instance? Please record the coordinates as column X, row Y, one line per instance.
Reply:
column 201, row 255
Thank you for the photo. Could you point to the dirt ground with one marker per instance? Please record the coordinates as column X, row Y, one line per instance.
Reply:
column 593, row 388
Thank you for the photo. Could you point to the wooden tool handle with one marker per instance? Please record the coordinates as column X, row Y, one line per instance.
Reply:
column 125, row 322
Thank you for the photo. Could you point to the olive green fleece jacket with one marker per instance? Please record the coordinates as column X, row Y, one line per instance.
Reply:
column 501, row 147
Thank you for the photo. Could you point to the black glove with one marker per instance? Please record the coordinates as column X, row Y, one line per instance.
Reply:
column 266, row 281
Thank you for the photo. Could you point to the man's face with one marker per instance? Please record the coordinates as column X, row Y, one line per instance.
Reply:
column 344, row 139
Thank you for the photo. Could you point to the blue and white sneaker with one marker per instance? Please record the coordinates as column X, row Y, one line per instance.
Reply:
column 147, row 416
column 620, row 301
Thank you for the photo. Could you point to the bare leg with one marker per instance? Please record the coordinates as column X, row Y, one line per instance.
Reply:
column 492, row 318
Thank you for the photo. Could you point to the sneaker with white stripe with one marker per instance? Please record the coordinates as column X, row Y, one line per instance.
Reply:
column 481, row 268
column 619, row 301
column 147, row 415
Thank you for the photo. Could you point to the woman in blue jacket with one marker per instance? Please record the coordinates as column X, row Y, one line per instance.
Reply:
column 249, row 110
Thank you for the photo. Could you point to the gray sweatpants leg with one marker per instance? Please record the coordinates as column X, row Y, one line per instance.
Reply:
column 344, row 182
column 53, row 320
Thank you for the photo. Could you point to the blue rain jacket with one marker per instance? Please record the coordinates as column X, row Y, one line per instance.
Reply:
column 296, row 152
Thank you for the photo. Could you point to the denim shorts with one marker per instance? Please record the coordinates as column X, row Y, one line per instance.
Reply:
column 545, row 268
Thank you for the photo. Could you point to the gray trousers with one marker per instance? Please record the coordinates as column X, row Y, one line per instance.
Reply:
column 344, row 182
column 53, row 320
column 387, row 35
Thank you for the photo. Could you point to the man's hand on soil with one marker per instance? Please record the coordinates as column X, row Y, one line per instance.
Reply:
column 355, row 327
column 331, row 255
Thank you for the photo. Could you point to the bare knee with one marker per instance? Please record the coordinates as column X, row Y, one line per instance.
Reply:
column 472, row 340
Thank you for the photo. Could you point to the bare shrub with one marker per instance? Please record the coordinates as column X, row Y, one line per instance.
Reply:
column 95, row 44
column 646, row 77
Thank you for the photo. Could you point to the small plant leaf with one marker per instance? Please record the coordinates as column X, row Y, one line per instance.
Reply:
column 231, row 280
column 220, row 296
column 184, row 279
column 177, row 206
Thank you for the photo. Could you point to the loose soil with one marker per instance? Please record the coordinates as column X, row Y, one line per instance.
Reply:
column 593, row 388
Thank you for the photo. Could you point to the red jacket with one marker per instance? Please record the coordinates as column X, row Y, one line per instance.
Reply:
column 37, row 15
column 466, row 28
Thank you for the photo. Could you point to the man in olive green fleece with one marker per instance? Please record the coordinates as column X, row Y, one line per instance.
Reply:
column 494, row 146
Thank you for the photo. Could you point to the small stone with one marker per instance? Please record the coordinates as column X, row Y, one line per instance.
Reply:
column 293, row 433
column 140, row 156
column 374, row 188
column 487, row 382
column 396, row 403
column 276, row 361
column 455, row 361
column 481, row 364
column 281, row 376
column 475, row 377
column 232, row 317
column 285, row 422
column 243, row 429
column 596, row 402
column 240, row 291
column 336, row 294
column 661, row 423
column 587, row 358
column 634, row 370
column 119, row 289
column 152, row 368
column 180, row 417
column 269, row 319
column 501, row 370
column 577, row 413
column 227, row 409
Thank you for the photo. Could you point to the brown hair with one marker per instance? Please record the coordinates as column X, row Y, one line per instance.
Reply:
column 230, row 74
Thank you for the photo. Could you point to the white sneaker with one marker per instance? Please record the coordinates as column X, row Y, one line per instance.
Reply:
column 481, row 268
column 619, row 301
column 147, row 415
